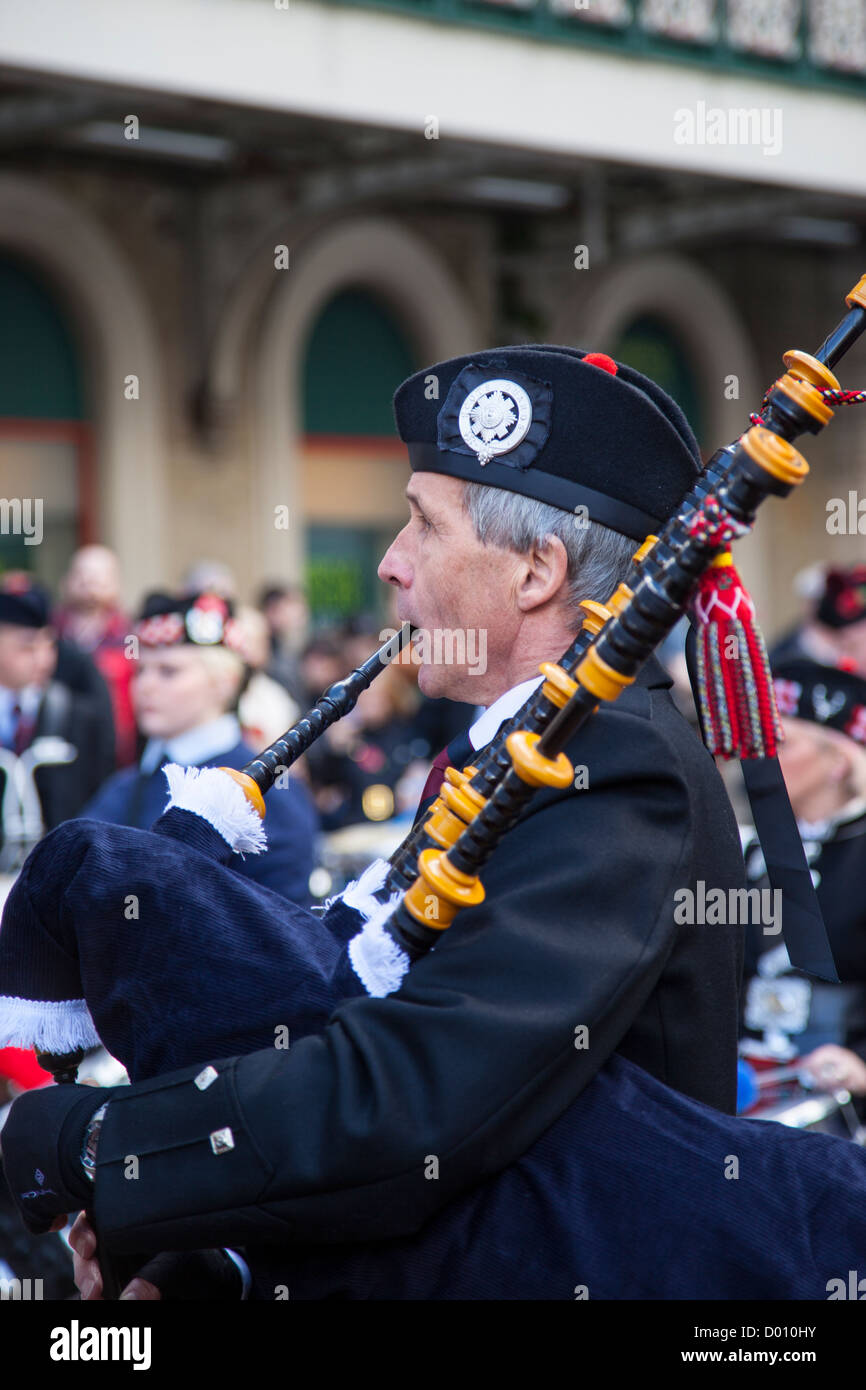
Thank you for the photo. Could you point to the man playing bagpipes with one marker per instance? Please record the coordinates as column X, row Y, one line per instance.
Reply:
column 540, row 1103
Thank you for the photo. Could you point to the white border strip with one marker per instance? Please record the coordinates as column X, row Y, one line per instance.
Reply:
column 47, row 1026
column 210, row 793
column 362, row 65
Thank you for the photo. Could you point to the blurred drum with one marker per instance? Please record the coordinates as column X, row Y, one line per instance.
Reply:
column 786, row 1094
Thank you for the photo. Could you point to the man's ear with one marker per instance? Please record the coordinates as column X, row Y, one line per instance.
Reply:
column 543, row 575
column 847, row 763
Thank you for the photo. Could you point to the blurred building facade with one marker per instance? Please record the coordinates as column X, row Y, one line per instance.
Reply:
column 229, row 229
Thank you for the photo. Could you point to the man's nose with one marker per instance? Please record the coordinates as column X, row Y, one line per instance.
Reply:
column 393, row 567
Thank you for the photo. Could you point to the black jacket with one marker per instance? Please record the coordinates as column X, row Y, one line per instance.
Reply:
column 838, row 865
column 80, row 720
column 479, row 1051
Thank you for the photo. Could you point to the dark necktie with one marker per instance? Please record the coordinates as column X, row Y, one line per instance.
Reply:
column 23, row 735
column 138, row 791
column 458, row 754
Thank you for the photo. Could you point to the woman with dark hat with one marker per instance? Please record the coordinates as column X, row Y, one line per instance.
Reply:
column 189, row 674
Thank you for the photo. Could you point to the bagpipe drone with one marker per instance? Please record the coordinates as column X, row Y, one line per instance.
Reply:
column 634, row 1163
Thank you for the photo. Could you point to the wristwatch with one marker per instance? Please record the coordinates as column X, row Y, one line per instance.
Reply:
column 91, row 1141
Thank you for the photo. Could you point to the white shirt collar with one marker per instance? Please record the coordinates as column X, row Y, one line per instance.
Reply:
column 483, row 730
column 195, row 746
column 823, row 829
column 29, row 698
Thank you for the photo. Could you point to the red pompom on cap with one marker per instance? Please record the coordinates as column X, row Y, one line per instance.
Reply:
column 601, row 359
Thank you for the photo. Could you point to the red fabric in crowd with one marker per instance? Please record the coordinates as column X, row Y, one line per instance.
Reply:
column 19, row 1064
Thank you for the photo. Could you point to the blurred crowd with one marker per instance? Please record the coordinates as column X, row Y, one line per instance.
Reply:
column 795, row 1028
column 798, row 1030
column 94, row 699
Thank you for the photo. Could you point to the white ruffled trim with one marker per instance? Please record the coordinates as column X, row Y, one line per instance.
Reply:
column 360, row 893
column 377, row 960
column 49, row 1027
column 219, row 799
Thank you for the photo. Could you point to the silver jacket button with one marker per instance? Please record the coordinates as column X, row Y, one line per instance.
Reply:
column 222, row 1140
column 206, row 1078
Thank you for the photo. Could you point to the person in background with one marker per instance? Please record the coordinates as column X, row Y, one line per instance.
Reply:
column 92, row 619
column 366, row 754
column 823, row 759
column 61, row 660
column 212, row 577
column 374, row 763
column 285, row 610
column 323, row 661
column 185, row 691
column 359, row 637
column 266, row 709
column 835, row 632
column 34, row 705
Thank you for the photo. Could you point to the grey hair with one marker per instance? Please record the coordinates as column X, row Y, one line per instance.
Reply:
column 598, row 558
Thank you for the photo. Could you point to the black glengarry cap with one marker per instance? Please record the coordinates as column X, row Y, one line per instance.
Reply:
column 572, row 429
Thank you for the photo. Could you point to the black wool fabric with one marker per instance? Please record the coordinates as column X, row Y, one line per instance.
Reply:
column 23, row 603
column 595, row 437
column 824, row 695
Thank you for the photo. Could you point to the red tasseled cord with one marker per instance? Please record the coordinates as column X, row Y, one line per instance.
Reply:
column 735, row 696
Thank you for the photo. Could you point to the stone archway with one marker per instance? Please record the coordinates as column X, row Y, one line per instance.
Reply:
column 374, row 253
column 91, row 275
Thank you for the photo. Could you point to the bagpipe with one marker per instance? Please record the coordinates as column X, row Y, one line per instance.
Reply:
column 109, row 931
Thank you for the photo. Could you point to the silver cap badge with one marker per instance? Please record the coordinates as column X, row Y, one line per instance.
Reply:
column 495, row 418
